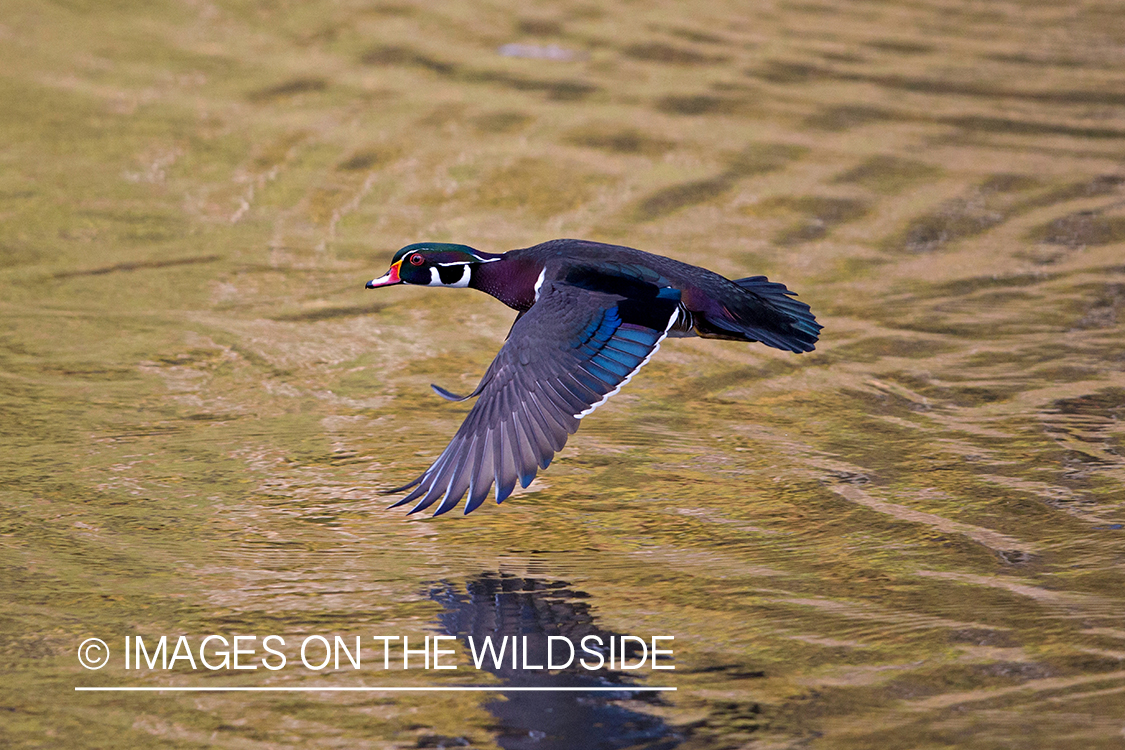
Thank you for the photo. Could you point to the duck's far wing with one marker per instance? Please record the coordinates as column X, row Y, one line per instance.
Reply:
column 570, row 352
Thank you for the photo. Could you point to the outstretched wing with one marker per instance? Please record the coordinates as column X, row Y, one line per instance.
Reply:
column 570, row 352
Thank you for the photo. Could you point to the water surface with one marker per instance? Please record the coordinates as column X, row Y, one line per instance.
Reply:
column 913, row 537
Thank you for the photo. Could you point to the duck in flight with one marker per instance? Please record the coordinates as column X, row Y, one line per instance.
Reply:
column 589, row 316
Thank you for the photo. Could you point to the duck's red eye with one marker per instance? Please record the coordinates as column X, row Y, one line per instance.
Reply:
column 416, row 260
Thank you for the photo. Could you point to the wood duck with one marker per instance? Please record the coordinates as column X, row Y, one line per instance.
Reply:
column 589, row 316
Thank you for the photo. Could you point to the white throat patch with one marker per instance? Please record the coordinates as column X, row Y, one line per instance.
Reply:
column 463, row 281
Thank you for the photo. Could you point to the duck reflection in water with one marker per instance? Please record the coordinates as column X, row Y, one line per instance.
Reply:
column 498, row 605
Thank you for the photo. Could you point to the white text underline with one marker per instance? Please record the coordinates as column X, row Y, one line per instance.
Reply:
column 376, row 689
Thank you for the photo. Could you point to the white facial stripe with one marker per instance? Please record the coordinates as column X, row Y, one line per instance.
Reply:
column 465, row 276
column 468, row 262
column 435, row 278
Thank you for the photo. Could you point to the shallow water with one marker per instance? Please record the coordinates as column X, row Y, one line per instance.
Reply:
column 913, row 537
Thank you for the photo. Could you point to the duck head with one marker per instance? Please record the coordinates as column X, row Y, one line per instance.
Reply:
column 433, row 264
